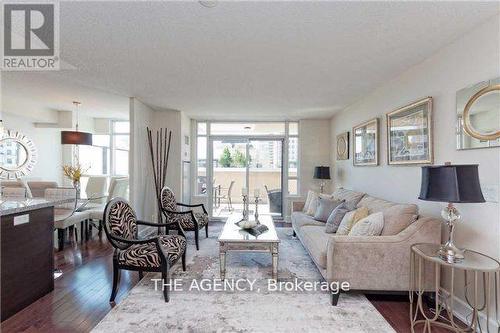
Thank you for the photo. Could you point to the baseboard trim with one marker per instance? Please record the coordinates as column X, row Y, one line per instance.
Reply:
column 463, row 310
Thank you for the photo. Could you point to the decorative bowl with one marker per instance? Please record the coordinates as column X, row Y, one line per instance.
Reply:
column 247, row 224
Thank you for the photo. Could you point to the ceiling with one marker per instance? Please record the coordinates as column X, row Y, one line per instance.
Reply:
column 243, row 60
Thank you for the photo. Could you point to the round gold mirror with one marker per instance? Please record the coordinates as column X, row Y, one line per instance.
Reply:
column 481, row 117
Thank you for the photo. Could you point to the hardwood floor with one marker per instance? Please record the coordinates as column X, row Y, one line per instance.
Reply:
column 80, row 298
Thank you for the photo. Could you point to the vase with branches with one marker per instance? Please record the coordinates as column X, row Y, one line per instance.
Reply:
column 74, row 173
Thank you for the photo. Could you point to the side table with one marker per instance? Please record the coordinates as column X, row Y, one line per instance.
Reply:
column 480, row 271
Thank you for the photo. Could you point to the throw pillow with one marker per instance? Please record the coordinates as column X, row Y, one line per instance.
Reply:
column 310, row 195
column 313, row 204
column 371, row 225
column 350, row 220
column 398, row 217
column 333, row 221
column 325, row 208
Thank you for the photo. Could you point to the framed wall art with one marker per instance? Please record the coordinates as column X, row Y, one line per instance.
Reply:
column 365, row 143
column 343, row 146
column 409, row 134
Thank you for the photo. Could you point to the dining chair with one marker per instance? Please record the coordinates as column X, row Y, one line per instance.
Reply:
column 66, row 215
column 118, row 187
column 13, row 192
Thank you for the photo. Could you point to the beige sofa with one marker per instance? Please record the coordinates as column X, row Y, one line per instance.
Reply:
column 368, row 263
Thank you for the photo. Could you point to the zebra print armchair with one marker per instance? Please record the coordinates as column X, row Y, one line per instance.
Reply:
column 188, row 219
column 156, row 254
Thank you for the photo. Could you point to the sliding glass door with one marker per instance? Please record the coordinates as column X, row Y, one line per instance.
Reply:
column 265, row 174
column 243, row 162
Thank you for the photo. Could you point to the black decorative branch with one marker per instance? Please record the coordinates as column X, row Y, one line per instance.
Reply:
column 159, row 150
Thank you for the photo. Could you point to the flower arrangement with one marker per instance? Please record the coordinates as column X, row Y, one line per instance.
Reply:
column 74, row 173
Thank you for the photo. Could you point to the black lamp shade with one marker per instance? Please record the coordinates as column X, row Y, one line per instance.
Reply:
column 76, row 138
column 322, row 172
column 451, row 183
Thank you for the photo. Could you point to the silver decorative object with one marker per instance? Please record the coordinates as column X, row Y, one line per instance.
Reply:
column 256, row 209
column 245, row 207
column 448, row 251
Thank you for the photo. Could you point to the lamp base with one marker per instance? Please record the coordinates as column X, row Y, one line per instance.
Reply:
column 450, row 253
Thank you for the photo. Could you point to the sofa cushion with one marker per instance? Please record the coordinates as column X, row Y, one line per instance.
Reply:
column 325, row 208
column 315, row 240
column 374, row 204
column 333, row 222
column 369, row 226
column 313, row 203
column 300, row 219
column 351, row 197
column 350, row 220
column 309, row 197
column 398, row 217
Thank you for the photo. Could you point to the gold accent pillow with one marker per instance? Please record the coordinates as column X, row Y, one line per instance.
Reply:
column 350, row 219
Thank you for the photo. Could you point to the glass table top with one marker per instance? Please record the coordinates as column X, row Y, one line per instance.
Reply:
column 233, row 233
column 473, row 260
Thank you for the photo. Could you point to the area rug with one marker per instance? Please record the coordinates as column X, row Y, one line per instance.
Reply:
column 253, row 307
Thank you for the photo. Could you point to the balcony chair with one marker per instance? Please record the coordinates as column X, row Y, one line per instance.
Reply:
column 156, row 254
column 275, row 200
column 225, row 194
column 188, row 219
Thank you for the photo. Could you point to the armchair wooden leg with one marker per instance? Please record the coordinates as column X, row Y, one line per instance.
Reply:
column 82, row 231
column 141, row 275
column 196, row 239
column 100, row 228
column 184, row 261
column 164, row 277
column 294, row 234
column 116, row 277
column 334, row 297
column 206, row 230
column 60, row 239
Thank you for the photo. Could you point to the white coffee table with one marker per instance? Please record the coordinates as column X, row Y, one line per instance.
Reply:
column 233, row 238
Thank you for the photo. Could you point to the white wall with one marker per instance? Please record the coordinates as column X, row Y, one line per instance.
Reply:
column 46, row 140
column 142, row 195
column 314, row 150
column 474, row 57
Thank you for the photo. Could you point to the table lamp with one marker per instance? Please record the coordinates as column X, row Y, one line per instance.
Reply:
column 451, row 184
column 323, row 173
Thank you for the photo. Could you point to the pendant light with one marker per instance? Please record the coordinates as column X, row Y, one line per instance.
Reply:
column 76, row 137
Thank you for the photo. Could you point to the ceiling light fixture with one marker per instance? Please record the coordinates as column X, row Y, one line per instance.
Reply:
column 208, row 3
column 76, row 137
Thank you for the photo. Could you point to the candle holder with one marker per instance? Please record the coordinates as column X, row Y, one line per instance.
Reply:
column 257, row 209
column 245, row 207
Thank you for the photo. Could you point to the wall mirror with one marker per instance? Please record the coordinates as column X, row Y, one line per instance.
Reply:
column 17, row 155
column 478, row 115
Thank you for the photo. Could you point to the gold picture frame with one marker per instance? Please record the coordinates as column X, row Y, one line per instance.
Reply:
column 409, row 134
column 365, row 142
column 343, row 146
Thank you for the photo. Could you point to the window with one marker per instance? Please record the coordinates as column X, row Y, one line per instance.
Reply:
column 96, row 157
column 201, row 159
column 109, row 154
column 120, row 145
column 293, row 158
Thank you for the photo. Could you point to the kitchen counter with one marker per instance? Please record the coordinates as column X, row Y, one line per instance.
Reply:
column 14, row 206
column 26, row 251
